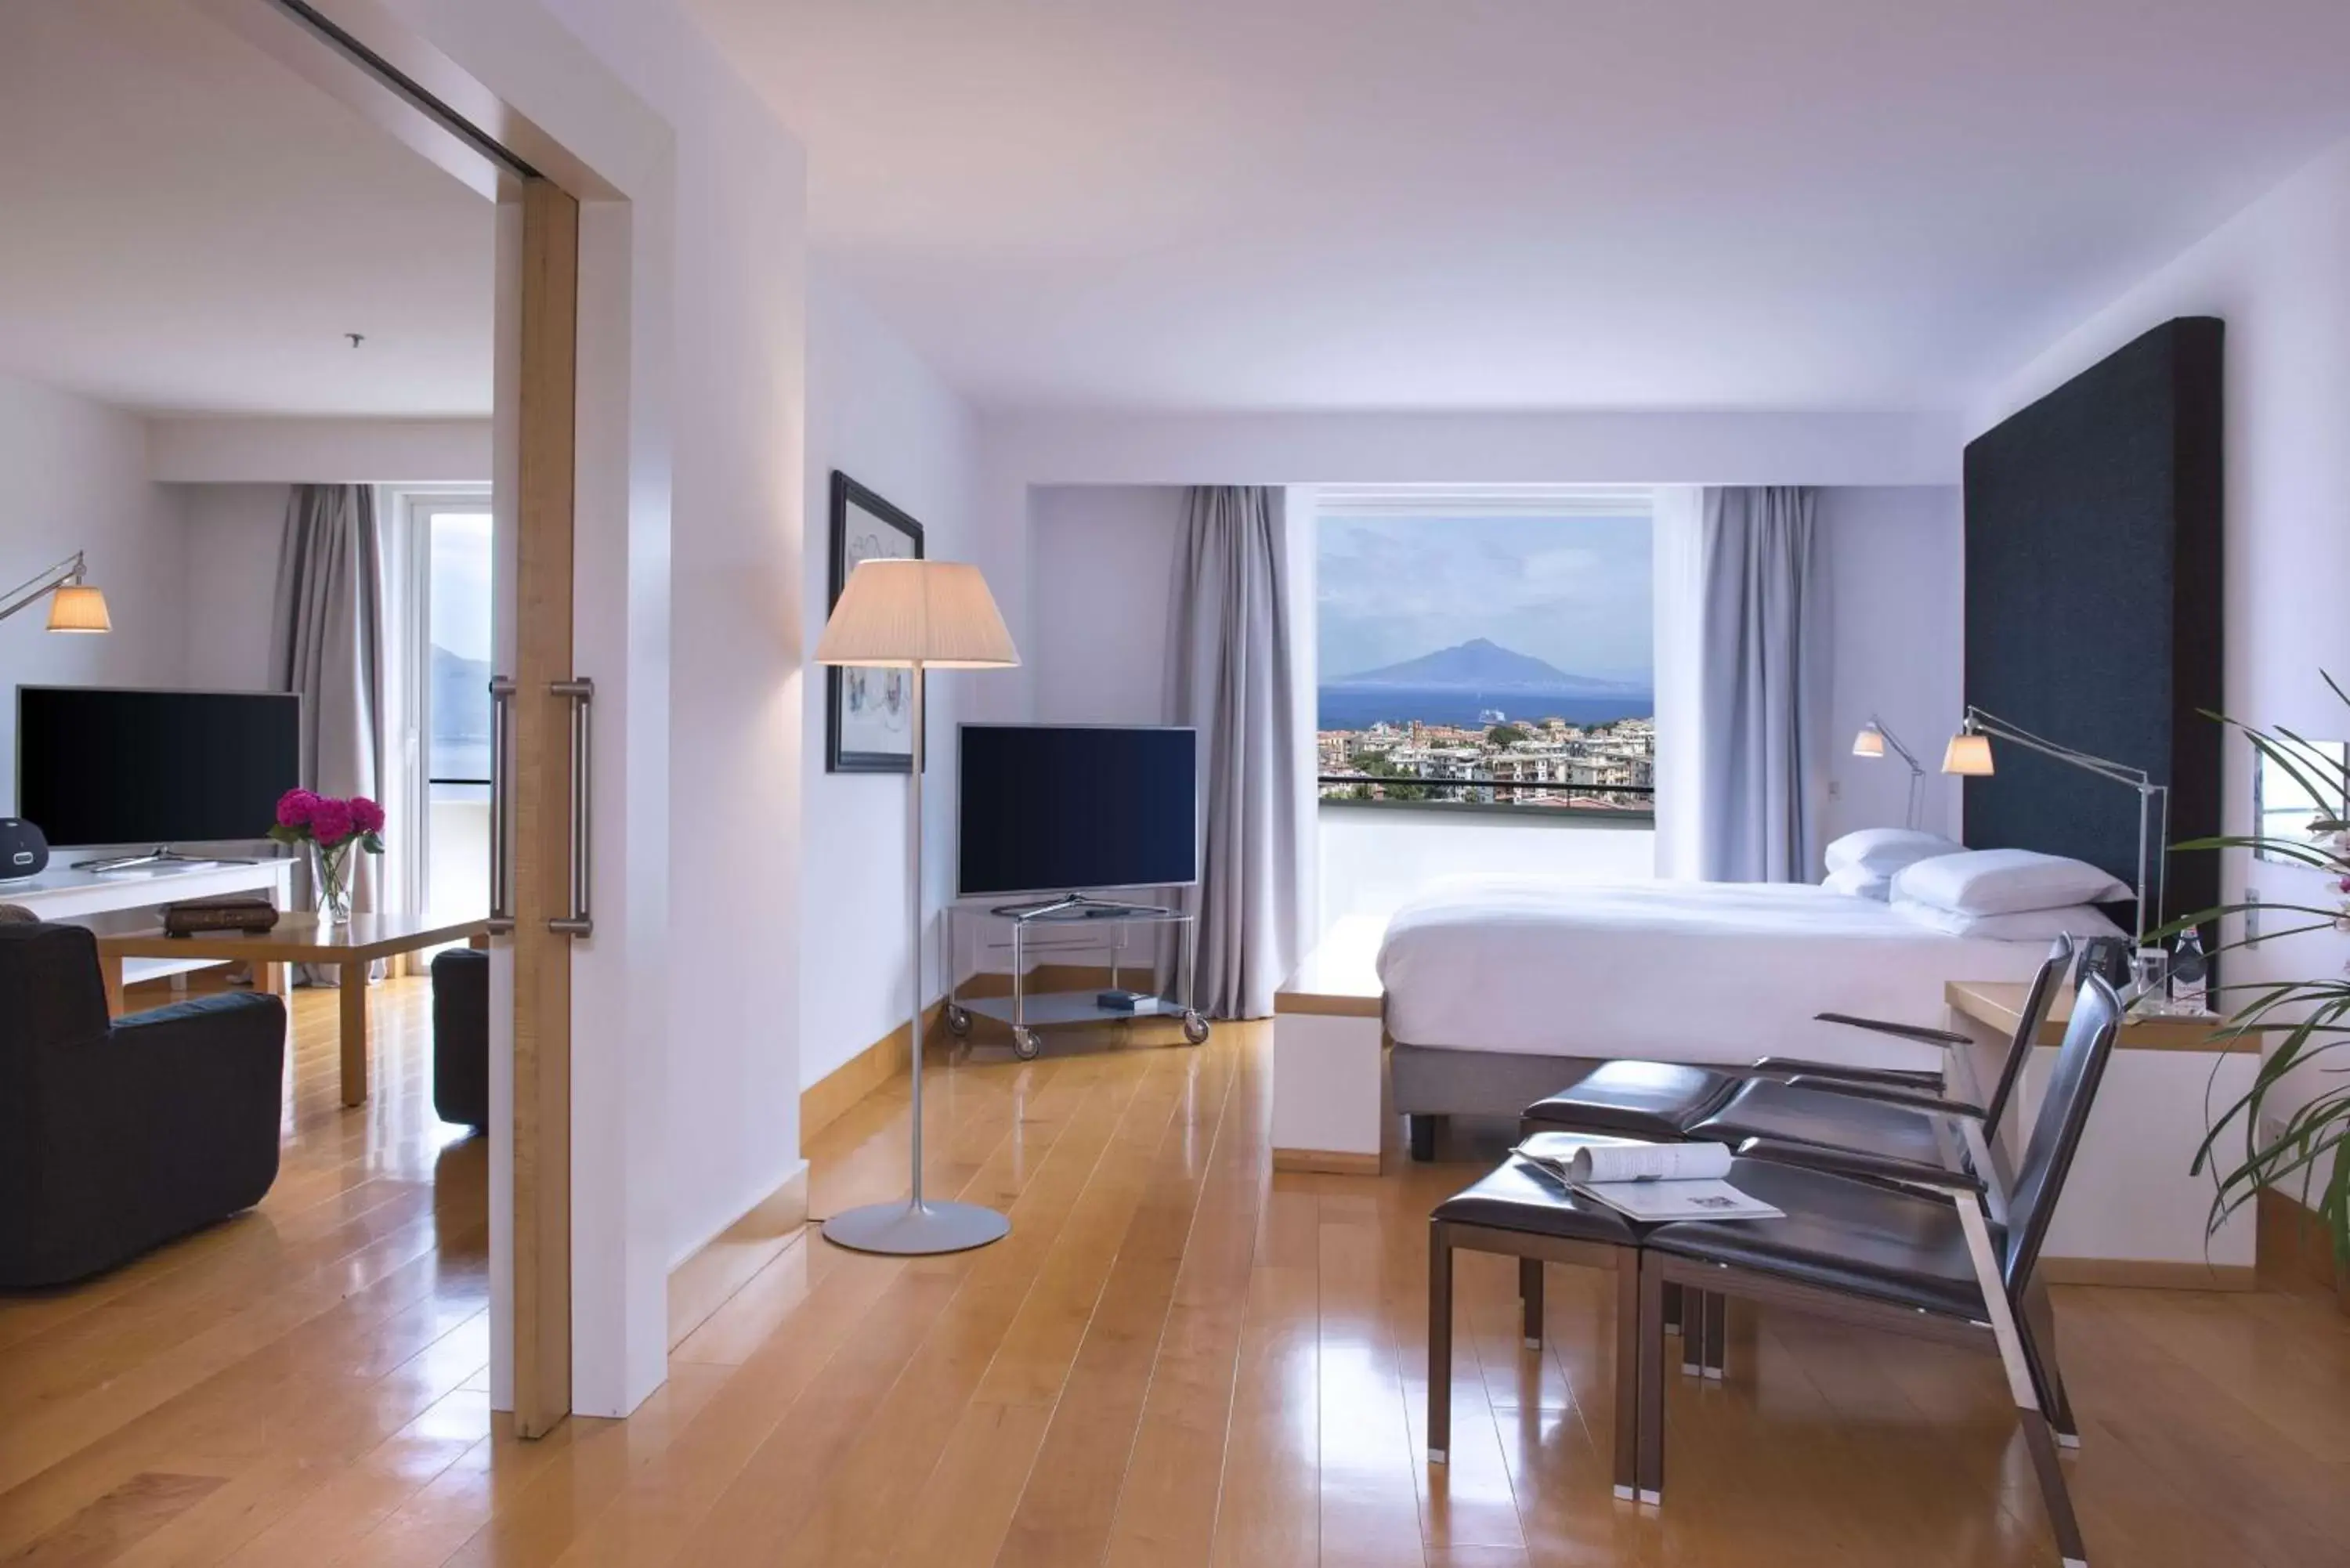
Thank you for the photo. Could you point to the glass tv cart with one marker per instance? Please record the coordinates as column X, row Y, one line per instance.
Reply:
column 1027, row 931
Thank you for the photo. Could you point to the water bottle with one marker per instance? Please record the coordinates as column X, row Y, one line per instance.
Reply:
column 2190, row 972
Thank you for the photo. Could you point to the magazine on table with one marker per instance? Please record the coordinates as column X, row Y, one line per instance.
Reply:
column 1650, row 1182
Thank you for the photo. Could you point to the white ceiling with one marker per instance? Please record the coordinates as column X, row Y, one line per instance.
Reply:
column 1479, row 203
column 186, row 225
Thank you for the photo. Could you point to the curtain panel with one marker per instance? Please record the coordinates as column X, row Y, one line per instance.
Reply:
column 327, row 643
column 1229, row 676
column 1760, row 686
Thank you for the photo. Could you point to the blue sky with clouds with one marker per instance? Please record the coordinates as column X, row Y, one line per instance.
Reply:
column 1572, row 591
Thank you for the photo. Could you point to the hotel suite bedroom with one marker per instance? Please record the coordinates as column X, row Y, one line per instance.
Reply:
column 1220, row 784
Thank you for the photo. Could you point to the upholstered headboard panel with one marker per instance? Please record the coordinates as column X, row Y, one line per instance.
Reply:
column 2093, row 604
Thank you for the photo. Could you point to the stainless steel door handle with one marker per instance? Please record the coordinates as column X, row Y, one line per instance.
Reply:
column 501, row 915
column 581, row 694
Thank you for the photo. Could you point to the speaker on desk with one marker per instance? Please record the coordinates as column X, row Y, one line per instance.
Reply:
column 23, row 852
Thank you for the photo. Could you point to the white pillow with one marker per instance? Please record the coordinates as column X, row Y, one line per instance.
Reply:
column 1883, row 851
column 2021, row 925
column 2004, row 882
column 1858, row 883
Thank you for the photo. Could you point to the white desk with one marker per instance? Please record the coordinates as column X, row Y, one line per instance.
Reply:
column 89, row 899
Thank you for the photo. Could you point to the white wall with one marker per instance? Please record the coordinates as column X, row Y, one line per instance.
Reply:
column 1895, row 563
column 878, row 413
column 222, row 451
column 73, row 476
column 1101, row 565
column 2278, row 273
column 233, row 534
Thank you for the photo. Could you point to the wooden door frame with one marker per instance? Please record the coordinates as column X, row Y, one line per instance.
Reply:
column 365, row 57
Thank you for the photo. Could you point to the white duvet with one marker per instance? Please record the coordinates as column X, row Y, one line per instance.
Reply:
column 1682, row 971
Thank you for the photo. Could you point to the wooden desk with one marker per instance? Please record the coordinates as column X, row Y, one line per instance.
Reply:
column 2001, row 1005
column 298, row 939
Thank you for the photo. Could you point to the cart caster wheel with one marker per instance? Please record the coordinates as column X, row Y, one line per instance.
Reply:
column 1026, row 1043
column 1195, row 1028
column 957, row 1021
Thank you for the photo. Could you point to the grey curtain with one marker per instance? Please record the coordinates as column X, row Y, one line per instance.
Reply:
column 1762, row 698
column 327, row 642
column 1229, row 677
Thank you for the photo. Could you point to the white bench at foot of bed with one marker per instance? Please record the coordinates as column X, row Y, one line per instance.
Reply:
column 1329, row 1077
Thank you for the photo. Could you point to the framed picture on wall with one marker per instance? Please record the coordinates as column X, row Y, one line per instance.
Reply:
column 867, row 713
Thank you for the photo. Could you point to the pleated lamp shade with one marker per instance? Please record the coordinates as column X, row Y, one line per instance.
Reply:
column 937, row 614
column 77, row 606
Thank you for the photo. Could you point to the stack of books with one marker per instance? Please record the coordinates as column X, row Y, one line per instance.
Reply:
column 248, row 912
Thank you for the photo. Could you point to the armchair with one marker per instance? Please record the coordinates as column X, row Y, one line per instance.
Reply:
column 117, row 1136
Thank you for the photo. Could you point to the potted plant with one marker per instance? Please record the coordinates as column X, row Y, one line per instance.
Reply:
column 2298, row 1024
column 332, row 828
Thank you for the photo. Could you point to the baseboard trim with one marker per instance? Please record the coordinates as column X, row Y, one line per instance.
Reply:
column 1325, row 1162
column 825, row 1101
column 2147, row 1275
column 2296, row 1251
column 706, row 1281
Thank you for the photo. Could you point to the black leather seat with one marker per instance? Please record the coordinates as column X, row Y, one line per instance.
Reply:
column 461, row 1037
column 1523, row 1211
column 1800, row 1114
column 1891, row 1245
column 1873, row 1240
column 1520, row 1196
column 1656, row 1101
column 115, row 1137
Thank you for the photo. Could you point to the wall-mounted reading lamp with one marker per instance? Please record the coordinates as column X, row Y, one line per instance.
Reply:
column 73, row 604
column 1969, row 754
column 1871, row 741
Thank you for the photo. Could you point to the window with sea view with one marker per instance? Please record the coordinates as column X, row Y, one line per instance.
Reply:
column 1488, row 650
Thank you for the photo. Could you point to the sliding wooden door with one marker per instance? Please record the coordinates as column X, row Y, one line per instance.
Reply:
column 541, row 805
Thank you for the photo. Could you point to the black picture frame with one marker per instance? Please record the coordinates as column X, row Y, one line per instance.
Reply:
column 863, row 525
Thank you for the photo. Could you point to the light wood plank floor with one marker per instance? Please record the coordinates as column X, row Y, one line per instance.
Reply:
column 1177, row 1359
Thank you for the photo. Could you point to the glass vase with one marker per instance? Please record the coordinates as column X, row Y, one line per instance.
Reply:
column 330, row 883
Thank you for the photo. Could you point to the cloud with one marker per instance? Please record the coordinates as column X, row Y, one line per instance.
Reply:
column 1573, row 591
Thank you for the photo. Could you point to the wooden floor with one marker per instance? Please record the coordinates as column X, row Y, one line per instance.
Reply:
column 1176, row 1358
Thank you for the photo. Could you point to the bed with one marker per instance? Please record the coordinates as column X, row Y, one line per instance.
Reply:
column 1500, row 990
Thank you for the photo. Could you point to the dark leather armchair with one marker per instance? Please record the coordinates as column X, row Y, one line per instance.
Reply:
column 115, row 1137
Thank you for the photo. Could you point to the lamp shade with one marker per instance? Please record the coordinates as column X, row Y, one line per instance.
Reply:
column 934, row 613
column 77, row 606
column 1969, row 754
column 1870, row 742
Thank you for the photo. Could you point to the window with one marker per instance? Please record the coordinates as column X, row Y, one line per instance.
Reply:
column 457, row 713
column 1486, row 649
column 439, row 608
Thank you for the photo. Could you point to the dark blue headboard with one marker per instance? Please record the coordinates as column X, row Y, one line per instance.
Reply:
column 2093, row 604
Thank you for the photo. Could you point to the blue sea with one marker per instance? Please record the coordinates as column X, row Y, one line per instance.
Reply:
column 1355, row 708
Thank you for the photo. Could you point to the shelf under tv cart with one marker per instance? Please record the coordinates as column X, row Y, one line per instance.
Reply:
column 1028, row 931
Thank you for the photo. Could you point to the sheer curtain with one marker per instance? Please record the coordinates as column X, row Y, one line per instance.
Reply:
column 1229, row 676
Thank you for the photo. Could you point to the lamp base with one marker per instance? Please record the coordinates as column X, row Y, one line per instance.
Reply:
column 903, row 1231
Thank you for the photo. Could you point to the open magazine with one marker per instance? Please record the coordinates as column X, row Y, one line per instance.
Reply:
column 1650, row 1182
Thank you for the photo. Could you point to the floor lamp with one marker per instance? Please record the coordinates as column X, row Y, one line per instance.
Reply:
column 1871, row 741
column 915, row 615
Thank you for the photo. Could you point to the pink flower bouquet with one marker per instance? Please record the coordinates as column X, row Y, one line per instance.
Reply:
column 332, row 828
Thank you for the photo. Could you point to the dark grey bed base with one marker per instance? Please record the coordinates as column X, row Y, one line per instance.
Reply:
column 1428, row 1084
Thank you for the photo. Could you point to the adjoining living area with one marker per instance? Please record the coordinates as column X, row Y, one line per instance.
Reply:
column 1218, row 785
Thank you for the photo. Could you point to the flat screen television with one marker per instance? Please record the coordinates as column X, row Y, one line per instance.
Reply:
column 1066, row 808
column 106, row 766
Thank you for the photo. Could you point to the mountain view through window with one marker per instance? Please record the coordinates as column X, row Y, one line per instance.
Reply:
column 1487, row 659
